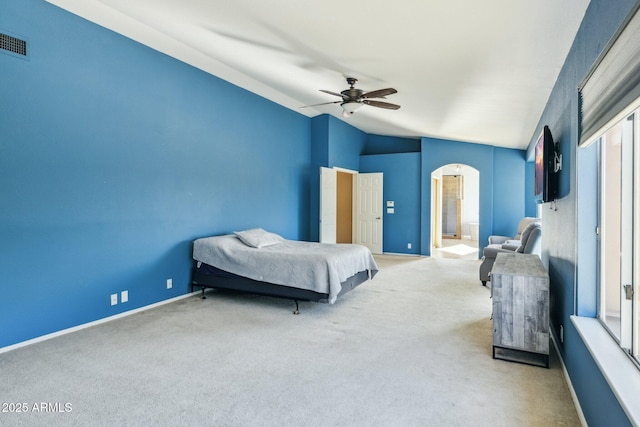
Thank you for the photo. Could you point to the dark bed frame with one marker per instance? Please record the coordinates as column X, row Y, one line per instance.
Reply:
column 207, row 276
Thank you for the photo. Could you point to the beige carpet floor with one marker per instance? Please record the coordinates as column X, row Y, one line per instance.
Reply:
column 410, row 348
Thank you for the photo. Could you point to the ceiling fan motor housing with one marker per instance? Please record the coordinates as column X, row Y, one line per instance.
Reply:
column 352, row 94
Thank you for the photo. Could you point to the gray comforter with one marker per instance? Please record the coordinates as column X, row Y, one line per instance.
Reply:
column 318, row 267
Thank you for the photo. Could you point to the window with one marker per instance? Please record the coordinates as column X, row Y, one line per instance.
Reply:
column 610, row 116
column 608, row 200
column 619, row 230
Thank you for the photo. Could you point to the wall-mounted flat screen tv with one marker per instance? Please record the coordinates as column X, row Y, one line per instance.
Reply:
column 546, row 178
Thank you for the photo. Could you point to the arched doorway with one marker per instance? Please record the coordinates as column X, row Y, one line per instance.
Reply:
column 455, row 211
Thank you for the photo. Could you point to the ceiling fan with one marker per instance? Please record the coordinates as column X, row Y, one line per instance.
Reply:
column 353, row 99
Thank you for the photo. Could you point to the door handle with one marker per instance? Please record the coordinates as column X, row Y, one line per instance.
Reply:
column 378, row 218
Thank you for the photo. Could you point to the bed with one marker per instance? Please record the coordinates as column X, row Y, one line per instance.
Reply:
column 259, row 262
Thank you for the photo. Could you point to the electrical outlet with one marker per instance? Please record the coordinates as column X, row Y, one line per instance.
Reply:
column 408, row 245
column 124, row 296
column 114, row 299
column 169, row 283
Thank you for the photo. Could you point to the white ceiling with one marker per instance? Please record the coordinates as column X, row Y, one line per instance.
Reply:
column 466, row 70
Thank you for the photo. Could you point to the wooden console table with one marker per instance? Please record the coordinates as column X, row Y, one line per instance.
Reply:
column 520, row 292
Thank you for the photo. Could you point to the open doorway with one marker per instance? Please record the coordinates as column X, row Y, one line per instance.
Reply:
column 452, row 204
column 344, row 208
column 455, row 211
column 351, row 208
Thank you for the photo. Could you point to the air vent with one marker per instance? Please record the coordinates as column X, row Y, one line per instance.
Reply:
column 13, row 44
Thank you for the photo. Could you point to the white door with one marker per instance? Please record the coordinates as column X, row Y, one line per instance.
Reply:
column 328, row 204
column 369, row 211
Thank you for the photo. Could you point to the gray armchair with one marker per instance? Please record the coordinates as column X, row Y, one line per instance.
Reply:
column 526, row 241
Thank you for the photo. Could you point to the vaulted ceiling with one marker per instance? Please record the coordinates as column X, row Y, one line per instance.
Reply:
column 465, row 70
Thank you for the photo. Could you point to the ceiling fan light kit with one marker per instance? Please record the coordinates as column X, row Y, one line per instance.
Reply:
column 353, row 99
column 350, row 107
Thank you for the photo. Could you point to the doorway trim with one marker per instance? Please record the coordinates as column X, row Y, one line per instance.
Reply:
column 436, row 208
column 355, row 217
column 435, row 179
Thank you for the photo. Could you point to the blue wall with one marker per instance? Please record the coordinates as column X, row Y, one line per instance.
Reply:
column 561, row 235
column 378, row 144
column 407, row 180
column 114, row 157
column 530, row 205
column 402, row 185
column 502, row 175
column 346, row 143
column 320, row 140
column 509, row 190
column 334, row 144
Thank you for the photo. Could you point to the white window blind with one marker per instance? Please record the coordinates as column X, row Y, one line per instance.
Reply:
column 614, row 81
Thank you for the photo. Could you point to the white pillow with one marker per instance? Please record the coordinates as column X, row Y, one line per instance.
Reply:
column 258, row 238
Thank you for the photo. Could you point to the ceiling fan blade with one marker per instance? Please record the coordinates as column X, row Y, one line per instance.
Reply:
column 332, row 93
column 323, row 103
column 380, row 93
column 381, row 104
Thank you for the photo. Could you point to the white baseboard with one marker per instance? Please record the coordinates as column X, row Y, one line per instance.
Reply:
column 94, row 323
column 400, row 254
column 574, row 396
